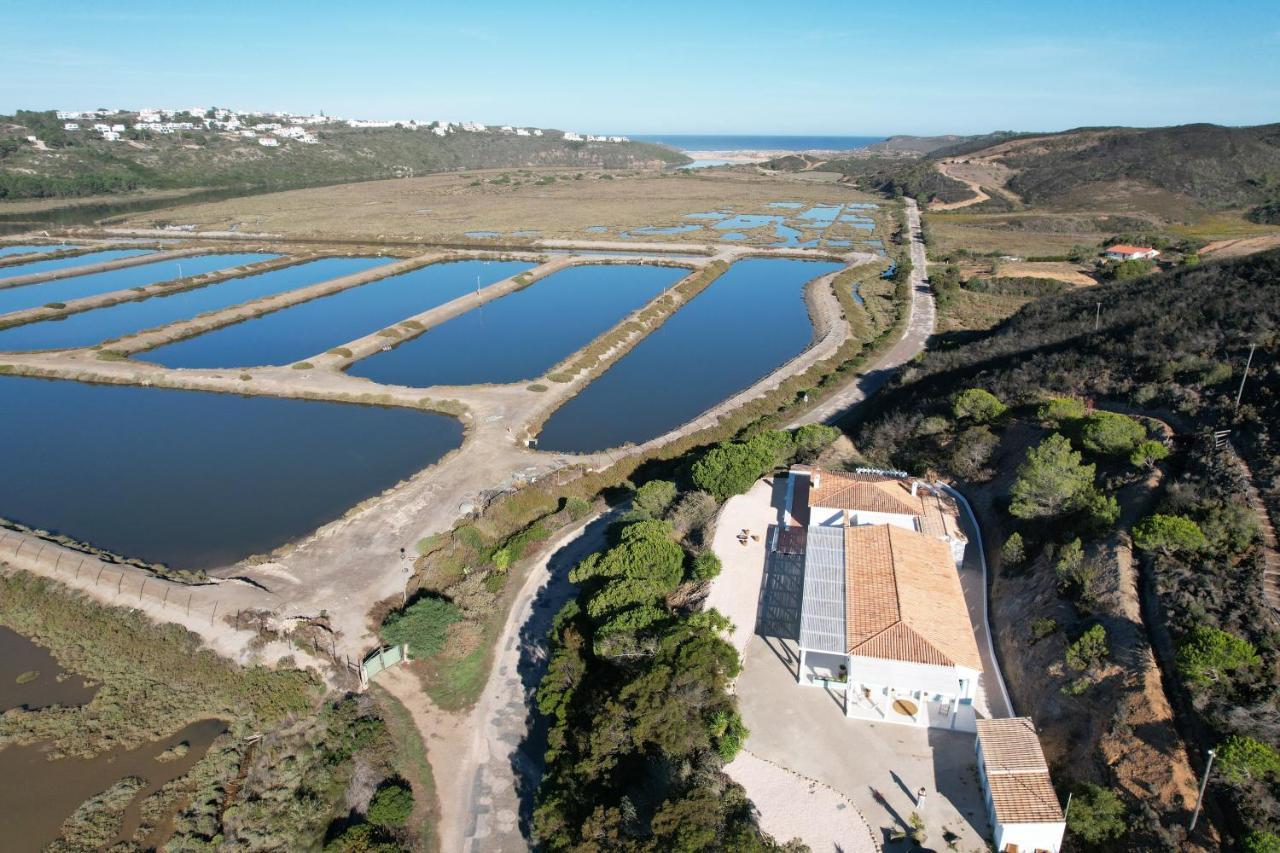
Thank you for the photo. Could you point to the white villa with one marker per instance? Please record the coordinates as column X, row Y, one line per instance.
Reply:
column 1023, row 807
column 836, row 499
column 883, row 615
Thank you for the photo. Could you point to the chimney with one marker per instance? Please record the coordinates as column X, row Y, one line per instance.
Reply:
column 915, row 487
column 817, row 479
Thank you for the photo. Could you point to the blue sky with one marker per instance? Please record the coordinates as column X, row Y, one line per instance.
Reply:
column 717, row 67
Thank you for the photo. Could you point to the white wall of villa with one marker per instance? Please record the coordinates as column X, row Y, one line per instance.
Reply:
column 942, row 696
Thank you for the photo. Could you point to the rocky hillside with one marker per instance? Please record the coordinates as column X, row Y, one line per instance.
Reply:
column 82, row 163
column 1127, row 593
column 1212, row 166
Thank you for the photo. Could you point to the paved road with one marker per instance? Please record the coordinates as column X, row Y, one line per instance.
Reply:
column 921, row 319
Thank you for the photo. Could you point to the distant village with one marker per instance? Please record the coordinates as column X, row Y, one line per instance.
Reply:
column 270, row 129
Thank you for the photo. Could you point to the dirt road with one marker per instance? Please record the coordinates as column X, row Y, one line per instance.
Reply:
column 921, row 319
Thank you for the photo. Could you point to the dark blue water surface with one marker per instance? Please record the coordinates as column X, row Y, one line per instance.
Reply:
column 8, row 251
column 304, row 330
column 197, row 480
column 746, row 323
column 91, row 327
column 33, row 267
column 521, row 335
column 80, row 286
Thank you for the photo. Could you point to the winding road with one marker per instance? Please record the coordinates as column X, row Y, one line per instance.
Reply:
column 922, row 317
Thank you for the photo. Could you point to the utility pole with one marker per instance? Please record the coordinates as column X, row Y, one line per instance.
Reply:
column 1097, row 317
column 1247, row 365
column 1204, row 782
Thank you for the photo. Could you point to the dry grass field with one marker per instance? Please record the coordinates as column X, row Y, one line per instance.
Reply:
column 555, row 203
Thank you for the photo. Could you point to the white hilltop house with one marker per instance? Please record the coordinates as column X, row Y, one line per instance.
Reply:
column 883, row 615
column 1021, row 803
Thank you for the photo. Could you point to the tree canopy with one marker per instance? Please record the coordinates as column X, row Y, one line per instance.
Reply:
column 1051, row 481
column 1111, row 434
column 1211, row 655
column 977, row 405
column 1168, row 533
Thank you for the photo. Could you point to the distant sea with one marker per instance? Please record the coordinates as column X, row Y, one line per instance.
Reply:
column 735, row 142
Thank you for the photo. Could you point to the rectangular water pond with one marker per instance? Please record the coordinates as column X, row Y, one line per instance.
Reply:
column 94, row 284
column 534, row 328
column 91, row 327
column 10, row 251
column 194, row 479
column 33, row 267
column 299, row 331
column 746, row 323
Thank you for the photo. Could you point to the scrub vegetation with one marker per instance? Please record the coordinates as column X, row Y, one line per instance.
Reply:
column 292, row 770
column 636, row 691
column 1076, row 461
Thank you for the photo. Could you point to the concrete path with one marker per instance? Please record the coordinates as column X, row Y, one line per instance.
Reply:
column 500, row 761
column 878, row 767
column 921, row 321
column 793, row 806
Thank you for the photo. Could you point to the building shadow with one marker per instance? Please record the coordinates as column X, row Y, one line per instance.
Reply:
column 781, row 592
column 955, row 778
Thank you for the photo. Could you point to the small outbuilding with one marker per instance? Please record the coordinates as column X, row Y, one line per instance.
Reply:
column 1021, row 803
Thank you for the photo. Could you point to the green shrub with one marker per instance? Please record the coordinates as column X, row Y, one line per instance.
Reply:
column 1261, row 841
column 1052, row 480
column 28, row 676
column 392, row 804
column 1210, row 655
column 705, row 566
column 1042, row 627
column 812, row 439
column 1242, row 759
column 1111, row 434
column 1097, row 814
column 341, row 351
column 1168, row 533
column 731, row 469
column 977, row 405
column 728, row 734
column 1013, row 552
column 423, row 625
column 653, row 498
column 1089, row 650
column 578, row 508
column 56, row 306
column 537, row 386
column 1148, row 453
column 1058, row 411
column 303, row 365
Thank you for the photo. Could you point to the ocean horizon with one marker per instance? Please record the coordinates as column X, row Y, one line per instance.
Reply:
column 757, row 142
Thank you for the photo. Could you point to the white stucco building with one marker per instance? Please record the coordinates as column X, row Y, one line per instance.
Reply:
column 842, row 499
column 884, row 621
column 1021, row 803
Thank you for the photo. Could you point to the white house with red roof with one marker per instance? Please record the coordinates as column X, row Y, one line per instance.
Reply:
column 883, row 614
column 1125, row 252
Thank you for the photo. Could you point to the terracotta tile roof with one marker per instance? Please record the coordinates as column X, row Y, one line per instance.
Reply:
column 903, row 599
column 937, row 512
column 1017, row 774
column 1126, row 249
column 1024, row 798
column 869, row 493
